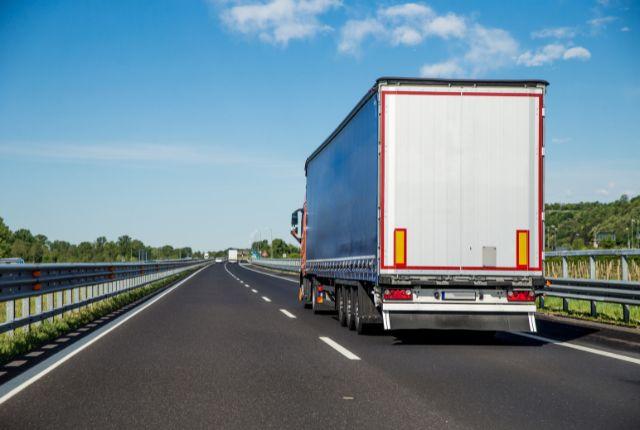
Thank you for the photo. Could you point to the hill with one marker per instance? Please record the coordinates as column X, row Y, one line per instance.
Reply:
column 579, row 225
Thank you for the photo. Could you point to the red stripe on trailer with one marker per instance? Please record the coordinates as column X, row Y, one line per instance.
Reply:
column 540, row 98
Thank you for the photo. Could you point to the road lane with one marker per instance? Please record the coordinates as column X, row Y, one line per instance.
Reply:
column 486, row 382
column 214, row 355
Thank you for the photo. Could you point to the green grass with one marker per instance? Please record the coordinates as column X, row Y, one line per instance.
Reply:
column 26, row 339
column 609, row 313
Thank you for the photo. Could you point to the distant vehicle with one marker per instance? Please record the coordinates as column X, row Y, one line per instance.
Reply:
column 424, row 208
column 11, row 261
column 218, row 259
column 233, row 256
column 206, row 255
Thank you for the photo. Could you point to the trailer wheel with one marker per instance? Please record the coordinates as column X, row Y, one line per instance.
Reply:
column 358, row 320
column 314, row 294
column 342, row 305
column 352, row 299
column 306, row 293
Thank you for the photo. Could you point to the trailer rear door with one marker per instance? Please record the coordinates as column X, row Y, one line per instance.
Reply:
column 461, row 180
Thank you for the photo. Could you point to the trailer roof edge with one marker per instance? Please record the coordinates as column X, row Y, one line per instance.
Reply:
column 423, row 81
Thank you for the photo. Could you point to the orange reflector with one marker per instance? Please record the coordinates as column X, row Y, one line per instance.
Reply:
column 37, row 287
column 400, row 247
column 522, row 248
column 319, row 299
column 36, row 273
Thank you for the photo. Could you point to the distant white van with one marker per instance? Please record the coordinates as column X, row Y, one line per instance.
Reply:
column 11, row 261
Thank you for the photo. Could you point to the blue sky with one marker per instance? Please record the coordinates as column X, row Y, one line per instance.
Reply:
column 188, row 121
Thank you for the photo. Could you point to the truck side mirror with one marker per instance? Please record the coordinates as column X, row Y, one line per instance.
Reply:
column 294, row 219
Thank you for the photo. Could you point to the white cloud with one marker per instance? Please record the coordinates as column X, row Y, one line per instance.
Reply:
column 407, row 11
column 490, row 48
column 546, row 54
column 354, row 32
column 278, row 21
column 144, row 153
column 447, row 26
column 406, row 35
column 561, row 140
column 550, row 53
column 404, row 24
column 447, row 69
column 625, row 29
column 577, row 52
column 554, row 33
column 601, row 22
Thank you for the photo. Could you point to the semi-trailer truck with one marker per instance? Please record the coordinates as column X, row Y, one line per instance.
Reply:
column 232, row 256
column 424, row 208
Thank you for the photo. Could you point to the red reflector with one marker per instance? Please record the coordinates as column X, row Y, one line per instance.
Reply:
column 397, row 294
column 521, row 296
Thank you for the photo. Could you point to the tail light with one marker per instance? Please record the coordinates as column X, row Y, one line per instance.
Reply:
column 521, row 296
column 397, row 294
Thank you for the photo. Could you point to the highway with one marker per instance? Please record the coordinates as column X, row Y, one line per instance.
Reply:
column 232, row 348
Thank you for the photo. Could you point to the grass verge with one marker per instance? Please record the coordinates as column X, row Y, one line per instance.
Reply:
column 609, row 313
column 24, row 339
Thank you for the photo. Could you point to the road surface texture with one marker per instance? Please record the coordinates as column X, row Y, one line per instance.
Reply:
column 215, row 354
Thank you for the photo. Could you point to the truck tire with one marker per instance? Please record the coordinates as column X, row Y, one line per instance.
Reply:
column 342, row 305
column 352, row 297
column 314, row 294
column 360, row 326
column 306, row 292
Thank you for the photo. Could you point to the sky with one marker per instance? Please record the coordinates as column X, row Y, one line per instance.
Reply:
column 187, row 122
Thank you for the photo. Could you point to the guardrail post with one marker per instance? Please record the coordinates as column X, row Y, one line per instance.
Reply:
column 565, row 305
column 592, row 267
column 626, row 315
column 624, row 263
column 594, row 310
column 565, row 268
column 25, row 308
column 38, row 308
column 10, row 310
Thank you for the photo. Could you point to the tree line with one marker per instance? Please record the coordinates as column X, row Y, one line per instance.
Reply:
column 277, row 249
column 583, row 225
column 39, row 249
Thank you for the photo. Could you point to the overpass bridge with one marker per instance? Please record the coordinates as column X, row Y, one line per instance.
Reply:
column 230, row 347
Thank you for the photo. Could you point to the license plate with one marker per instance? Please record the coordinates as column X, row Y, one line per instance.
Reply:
column 459, row 295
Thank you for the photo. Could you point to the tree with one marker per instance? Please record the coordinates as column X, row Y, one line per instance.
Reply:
column 6, row 239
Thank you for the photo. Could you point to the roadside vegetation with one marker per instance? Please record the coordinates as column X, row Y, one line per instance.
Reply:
column 610, row 313
column 39, row 249
column 25, row 339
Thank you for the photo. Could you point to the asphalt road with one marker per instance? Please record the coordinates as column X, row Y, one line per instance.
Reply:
column 215, row 354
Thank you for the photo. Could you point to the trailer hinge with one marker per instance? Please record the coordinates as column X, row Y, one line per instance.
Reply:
column 544, row 112
column 543, row 151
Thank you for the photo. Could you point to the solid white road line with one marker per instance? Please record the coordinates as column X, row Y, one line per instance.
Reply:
column 287, row 313
column 341, row 349
column 64, row 355
column 244, row 266
column 266, row 299
column 254, row 291
column 581, row 348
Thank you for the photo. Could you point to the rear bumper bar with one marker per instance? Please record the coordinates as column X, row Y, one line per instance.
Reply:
column 459, row 317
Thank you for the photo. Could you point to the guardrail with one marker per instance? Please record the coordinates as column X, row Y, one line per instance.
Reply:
column 42, row 291
column 592, row 254
column 285, row 264
column 624, row 293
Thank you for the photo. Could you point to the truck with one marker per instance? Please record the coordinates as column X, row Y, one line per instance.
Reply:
column 424, row 208
column 232, row 256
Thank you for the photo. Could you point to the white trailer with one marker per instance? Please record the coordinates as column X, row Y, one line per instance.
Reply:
column 457, row 237
column 232, row 256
